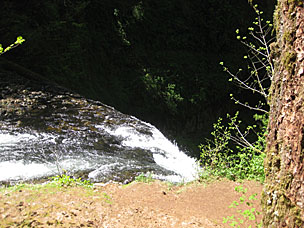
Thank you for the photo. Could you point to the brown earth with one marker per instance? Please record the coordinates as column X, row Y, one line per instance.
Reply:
column 143, row 205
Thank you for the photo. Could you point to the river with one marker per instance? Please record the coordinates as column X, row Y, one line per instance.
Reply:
column 46, row 131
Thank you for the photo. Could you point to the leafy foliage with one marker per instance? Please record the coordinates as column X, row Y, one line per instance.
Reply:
column 243, row 215
column 260, row 66
column 67, row 181
column 165, row 91
column 19, row 41
column 221, row 157
column 244, row 160
column 145, row 178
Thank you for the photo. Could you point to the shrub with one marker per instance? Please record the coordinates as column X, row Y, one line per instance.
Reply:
column 66, row 181
column 230, row 154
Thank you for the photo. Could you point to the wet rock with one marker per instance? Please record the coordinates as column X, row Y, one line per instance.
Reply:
column 63, row 130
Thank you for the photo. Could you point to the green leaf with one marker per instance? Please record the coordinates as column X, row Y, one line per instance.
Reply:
column 7, row 49
column 19, row 40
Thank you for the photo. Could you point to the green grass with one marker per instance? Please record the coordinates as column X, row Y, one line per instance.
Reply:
column 55, row 182
column 145, row 178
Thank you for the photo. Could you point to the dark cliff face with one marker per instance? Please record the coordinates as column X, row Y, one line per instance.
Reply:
column 156, row 60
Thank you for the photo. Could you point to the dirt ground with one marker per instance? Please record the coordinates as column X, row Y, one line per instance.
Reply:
column 142, row 205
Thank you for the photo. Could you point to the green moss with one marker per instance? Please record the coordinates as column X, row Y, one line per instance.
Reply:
column 272, row 162
column 276, row 18
column 288, row 60
column 293, row 3
column 296, row 212
column 283, row 207
column 288, row 37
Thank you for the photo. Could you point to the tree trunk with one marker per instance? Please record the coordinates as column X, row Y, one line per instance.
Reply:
column 283, row 195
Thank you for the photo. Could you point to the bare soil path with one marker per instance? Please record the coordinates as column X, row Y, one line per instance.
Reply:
column 141, row 205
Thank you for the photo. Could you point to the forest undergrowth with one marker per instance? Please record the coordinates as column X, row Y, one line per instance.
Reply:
column 236, row 149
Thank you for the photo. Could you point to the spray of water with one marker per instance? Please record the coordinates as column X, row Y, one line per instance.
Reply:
column 165, row 153
column 35, row 155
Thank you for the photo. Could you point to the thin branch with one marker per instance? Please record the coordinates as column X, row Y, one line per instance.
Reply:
column 249, row 106
column 244, row 140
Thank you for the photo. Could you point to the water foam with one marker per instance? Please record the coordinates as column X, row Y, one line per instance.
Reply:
column 20, row 170
column 9, row 139
column 16, row 170
column 165, row 153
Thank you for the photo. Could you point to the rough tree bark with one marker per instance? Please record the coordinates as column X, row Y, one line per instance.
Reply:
column 283, row 195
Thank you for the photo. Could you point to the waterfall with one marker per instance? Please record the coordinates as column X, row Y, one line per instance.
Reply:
column 68, row 132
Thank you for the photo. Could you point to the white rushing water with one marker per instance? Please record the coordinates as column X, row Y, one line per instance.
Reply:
column 165, row 154
column 8, row 139
column 15, row 170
